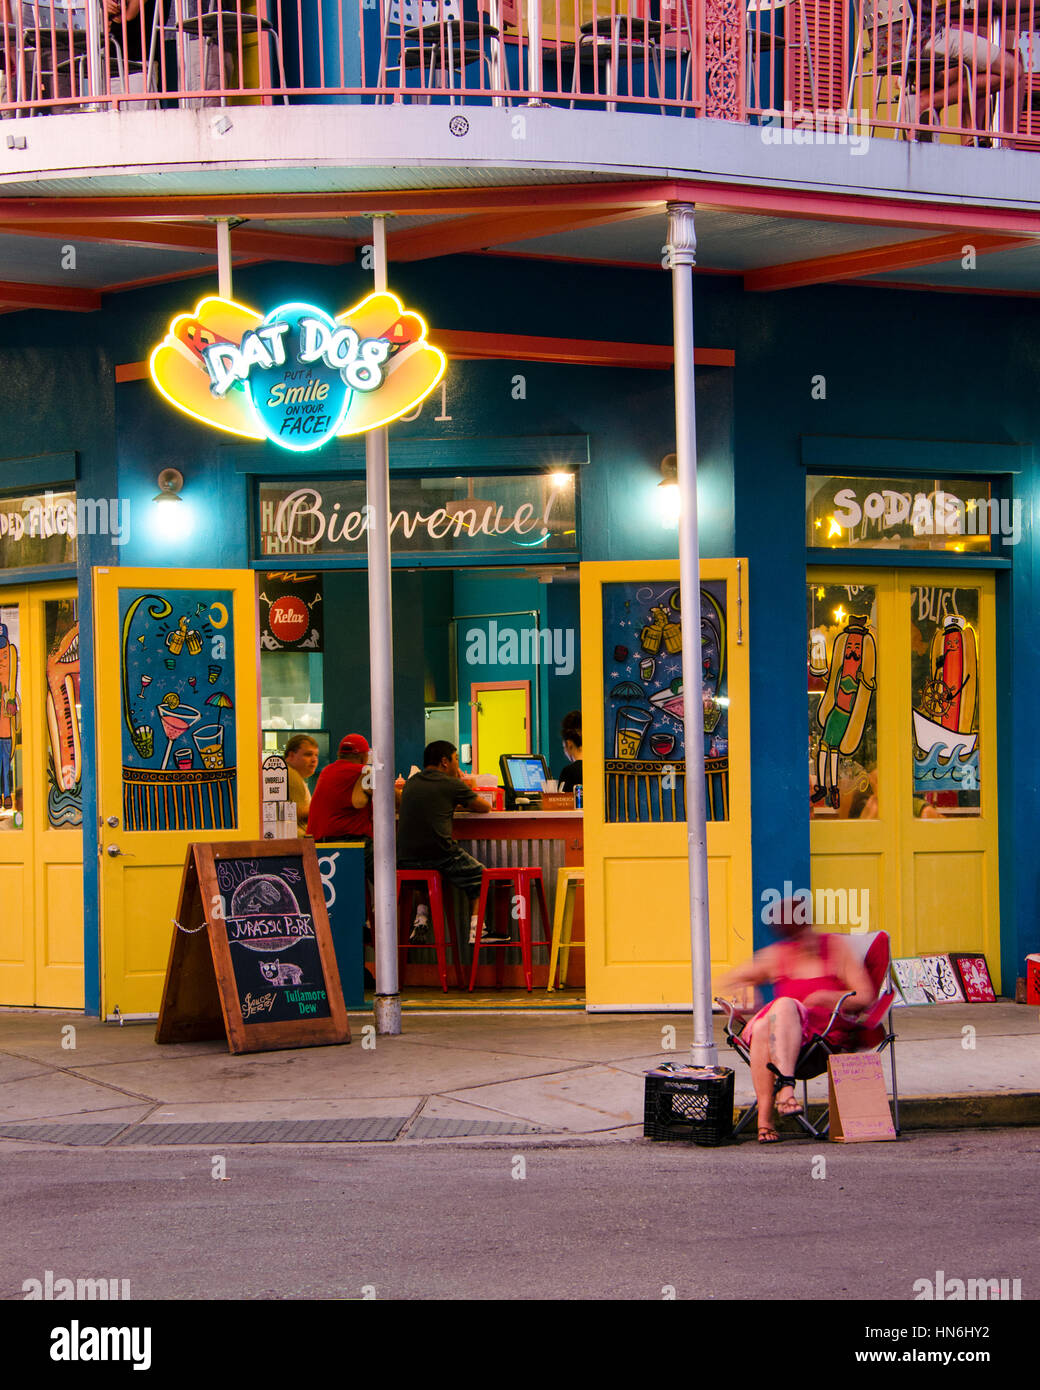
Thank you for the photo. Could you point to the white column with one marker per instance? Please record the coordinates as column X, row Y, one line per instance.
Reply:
column 223, row 258
column 682, row 245
column 381, row 656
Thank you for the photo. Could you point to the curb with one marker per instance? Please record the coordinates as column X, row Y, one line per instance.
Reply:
column 975, row 1111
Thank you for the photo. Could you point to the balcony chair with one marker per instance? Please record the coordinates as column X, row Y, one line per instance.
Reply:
column 212, row 27
column 611, row 44
column 875, row 1034
column 433, row 38
column 890, row 26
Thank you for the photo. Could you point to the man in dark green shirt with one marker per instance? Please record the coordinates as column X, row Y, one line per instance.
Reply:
column 424, row 838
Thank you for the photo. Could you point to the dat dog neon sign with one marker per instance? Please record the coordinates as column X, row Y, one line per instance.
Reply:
column 297, row 376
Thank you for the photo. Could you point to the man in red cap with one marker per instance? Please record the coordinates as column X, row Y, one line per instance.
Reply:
column 341, row 807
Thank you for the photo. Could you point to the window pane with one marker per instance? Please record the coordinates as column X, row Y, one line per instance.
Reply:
column 10, row 720
column 842, row 624
column 944, row 683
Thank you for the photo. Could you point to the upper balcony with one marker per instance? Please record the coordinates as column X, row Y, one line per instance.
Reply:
column 829, row 74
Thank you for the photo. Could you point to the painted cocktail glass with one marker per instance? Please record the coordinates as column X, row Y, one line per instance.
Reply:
column 629, row 730
column 662, row 744
column 209, row 740
column 176, row 722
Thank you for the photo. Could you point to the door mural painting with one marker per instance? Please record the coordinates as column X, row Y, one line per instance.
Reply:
column 944, row 683
column 644, row 752
column 65, row 747
column 179, row 756
column 843, row 661
column 10, row 718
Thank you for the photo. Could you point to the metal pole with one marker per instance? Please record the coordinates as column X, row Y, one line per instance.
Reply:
column 381, row 655
column 224, row 257
column 682, row 244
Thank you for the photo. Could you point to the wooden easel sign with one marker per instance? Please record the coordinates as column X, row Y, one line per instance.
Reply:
column 858, row 1099
column 252, row 955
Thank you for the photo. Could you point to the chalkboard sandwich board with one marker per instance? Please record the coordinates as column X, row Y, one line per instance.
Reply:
column 252, row 955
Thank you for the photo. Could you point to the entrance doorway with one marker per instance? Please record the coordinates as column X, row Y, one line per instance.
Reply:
column 902, row 756
column 41, row 810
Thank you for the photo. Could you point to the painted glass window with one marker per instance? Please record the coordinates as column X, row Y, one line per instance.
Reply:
column 907, row 514
column 843, row 661
column 64, row 744
column 10, row 719
column 944, row 681
column 179, row 748
column 644, row 754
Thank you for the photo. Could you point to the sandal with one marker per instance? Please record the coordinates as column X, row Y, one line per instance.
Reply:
column 767, row 1135
column 792, row 1105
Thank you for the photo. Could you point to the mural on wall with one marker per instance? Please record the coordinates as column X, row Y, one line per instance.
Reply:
column 179, row 748
column 644, row 757
column 65, row 753
column 944, row 700
column 10, row 719
column 842, row 679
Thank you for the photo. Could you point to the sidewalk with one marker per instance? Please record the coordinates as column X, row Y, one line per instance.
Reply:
column 472, row 1077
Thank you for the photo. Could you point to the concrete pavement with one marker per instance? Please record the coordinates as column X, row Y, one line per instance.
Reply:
column 451, row 1075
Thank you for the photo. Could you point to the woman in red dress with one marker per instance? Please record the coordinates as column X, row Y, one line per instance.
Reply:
column 809, row 973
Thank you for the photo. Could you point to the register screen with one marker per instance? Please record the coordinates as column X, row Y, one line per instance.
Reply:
column 526, row 774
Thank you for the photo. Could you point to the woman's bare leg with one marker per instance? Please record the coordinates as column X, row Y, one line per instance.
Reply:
column 777, row 1038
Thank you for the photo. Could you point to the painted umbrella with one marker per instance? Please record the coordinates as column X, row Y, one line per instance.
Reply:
column 221, row 702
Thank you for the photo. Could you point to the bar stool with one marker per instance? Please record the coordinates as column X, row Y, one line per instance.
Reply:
column 568, row 881
column 410, row 879
column 526, row 883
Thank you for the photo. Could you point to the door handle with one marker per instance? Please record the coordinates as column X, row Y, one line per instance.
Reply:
column 114, row 852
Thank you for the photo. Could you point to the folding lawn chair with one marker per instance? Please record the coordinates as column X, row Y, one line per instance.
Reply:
column 874, row 1034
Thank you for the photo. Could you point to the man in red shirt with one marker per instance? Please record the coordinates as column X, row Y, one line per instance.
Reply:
column 341, row 807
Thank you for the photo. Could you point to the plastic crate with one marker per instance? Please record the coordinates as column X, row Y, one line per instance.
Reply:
column 695, row 1104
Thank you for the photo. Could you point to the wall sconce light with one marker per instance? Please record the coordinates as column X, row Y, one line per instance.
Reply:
column 668, row 491
column 171, row 511
column 559, row 478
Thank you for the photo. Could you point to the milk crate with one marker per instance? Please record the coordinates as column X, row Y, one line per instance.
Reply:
column 694, row 1103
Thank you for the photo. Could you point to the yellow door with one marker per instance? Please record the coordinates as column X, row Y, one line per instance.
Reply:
column 501, row 723
column 636, row 866
column 178, row 753
column 903, row 794
column 41, row 816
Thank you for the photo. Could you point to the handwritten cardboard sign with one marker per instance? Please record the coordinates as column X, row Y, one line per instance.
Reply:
column 858, row 1099
column 252, row 955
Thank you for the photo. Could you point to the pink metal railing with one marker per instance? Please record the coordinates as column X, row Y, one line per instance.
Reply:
column 808, row 69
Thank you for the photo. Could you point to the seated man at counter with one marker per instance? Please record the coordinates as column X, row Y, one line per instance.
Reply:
column 341, row 807
column 301, row 759
column 424, row 838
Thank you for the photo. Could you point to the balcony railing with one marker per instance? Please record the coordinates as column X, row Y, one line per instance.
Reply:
column 806, row 71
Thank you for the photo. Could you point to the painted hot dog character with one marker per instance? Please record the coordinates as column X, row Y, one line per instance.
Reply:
column 842, row 713
column 954, row 663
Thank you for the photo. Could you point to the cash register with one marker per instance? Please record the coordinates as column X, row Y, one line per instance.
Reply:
column 524, row 776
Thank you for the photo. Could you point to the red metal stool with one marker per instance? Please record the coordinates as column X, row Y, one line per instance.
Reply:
column 409, row 880
column 526, row 883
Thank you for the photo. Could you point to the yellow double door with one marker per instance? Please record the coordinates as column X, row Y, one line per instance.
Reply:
column 41, row 762
column 904, row 824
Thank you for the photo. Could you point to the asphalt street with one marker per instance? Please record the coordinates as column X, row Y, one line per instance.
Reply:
column 633, row 1221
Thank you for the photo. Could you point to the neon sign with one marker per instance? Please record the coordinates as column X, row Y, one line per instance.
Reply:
column 297, row 376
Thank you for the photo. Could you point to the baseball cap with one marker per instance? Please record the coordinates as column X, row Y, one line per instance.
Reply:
column 353, row 743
